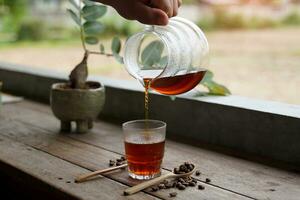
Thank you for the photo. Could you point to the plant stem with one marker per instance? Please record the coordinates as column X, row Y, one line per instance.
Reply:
column 82, row 37
column 100, row 53
column 81, row 29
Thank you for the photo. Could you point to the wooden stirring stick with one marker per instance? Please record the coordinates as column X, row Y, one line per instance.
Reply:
column 86, row 177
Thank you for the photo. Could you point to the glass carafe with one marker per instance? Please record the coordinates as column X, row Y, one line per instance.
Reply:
column 169, row 59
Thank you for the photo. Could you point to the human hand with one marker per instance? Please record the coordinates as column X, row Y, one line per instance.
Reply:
column 152, row 12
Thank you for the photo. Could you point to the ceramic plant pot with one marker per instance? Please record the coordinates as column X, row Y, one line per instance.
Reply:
column 81, row 106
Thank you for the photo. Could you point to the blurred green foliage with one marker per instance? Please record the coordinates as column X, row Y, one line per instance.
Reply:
column 11, row 14
column 31, row 30
column 292, row 19
column 222, row 19
column 37, row 30
column 187, row 2
column 16, row 25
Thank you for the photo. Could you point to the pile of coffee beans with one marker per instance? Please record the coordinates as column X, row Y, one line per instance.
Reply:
column 183, row 182
column 186, row 167
column 179, row 183
column 117, row 162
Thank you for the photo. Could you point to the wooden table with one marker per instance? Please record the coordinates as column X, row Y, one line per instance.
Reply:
column 37, row 161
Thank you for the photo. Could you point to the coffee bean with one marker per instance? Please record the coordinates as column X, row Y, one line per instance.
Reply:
column 111, row 163
column 161, row 186
column 176, row 170
column 173, row 194
column 181, row 180
column 168, row 185
column 165, row 182
column 119, row 160
column 201, row 187
column 123, row 158
column 154, row 189
column 119, row 163
column 194, row 181
column 192, row 184
column 178, row 184
column 198, row 173
column 183, row 168
column 174, row 184
column 188, row 179
column 207, row 180
column 185, row 184
column 190, row 167
column 181, row 187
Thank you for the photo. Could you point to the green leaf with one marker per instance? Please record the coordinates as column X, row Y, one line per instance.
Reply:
column 213, row 87
column 116, row 45
column 75, row 18
column 163, row 61
column 173, row 97
column 92, row 27
column 102, row 50
column 116, row 48
column 93, row 12
column 74, row 4
column 207, row 77
column 89, row 3
column 216, row 88
column 118, row 58
column 152, row 53
column 91, row 40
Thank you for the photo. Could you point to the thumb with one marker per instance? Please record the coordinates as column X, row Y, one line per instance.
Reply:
column 151, row 16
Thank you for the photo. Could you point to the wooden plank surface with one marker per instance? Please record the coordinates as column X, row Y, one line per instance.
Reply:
column 227, row 172
column 58, row 174
column 243, row 128
column 91, row 157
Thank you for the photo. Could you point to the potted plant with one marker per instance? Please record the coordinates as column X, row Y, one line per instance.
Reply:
column 79, row 100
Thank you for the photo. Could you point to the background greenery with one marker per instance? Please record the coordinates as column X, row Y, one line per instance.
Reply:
column 18, row 25
column 222, row 19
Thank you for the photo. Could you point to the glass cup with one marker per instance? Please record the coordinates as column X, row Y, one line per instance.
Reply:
column 144, row 147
